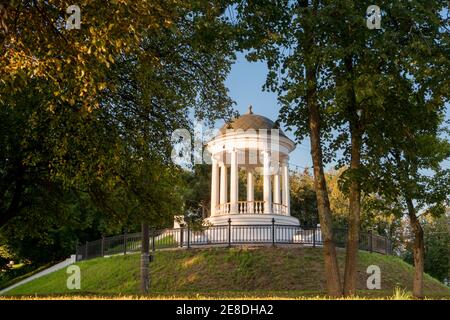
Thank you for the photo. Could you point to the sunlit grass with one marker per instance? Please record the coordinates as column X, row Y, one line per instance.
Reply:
column 401, row 294
column 398, row 294
column 221, row 273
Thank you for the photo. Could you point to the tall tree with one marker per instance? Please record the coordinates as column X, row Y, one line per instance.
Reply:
column 110, row 95
column 404, row 162
column 327, row 67
column 192, row 66
column 366, row 63
column 348, row 36
column 291, row 37
column 404, row 143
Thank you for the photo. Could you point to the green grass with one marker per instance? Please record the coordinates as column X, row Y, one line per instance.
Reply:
column 245, row 272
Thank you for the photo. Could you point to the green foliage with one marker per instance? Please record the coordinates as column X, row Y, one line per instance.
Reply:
column 40, row 211
column 35, row 44
column 197, row 195
column 355, row 67
column 303, row 199
column 437, row 244
column 85, row 128
column 5, row 257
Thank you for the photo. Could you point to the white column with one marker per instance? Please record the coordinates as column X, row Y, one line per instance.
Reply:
column 234, row 188
column 266, row 174
column 214, row 185
column 285, row 179
column 250, row 191
column 276, row 191
column 223, row 186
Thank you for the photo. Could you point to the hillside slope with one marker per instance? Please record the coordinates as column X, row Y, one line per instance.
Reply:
column 214, row 271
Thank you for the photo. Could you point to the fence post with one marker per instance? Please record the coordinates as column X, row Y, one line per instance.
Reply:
column 153, row 240
column 273, row 232
column 314, row 236
column 188, row 236
column 370, row 242
column 76, row 250
column 103, row 246
column 125, row 242
column 229, row 232
column 86, row 250
column 181, row 236
column 387, row 245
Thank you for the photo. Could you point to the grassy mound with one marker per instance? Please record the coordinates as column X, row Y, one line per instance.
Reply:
column 235, row 272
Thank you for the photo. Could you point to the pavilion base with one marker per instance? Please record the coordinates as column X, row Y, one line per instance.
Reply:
column 253, row 219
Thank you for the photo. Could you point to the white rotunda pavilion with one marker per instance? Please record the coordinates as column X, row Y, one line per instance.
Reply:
column 255, row 144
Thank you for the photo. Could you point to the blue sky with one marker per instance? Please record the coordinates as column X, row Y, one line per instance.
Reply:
column 245, row 83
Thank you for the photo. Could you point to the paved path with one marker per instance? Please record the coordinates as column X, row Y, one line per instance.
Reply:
column 42, row 273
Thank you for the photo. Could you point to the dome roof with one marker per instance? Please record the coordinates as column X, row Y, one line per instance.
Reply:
column 251, row 121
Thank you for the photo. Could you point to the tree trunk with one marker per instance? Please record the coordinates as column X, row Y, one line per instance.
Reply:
column 145, row 258
column 419, row 250
column 323, row 203
column 351, row 258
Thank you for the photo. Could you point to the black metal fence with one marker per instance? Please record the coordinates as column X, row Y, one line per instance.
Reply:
column 226, row 235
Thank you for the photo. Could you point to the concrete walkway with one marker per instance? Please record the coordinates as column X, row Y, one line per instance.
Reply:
column 42, row 273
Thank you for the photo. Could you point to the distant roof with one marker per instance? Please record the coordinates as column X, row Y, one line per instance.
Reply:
column 251, row 121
